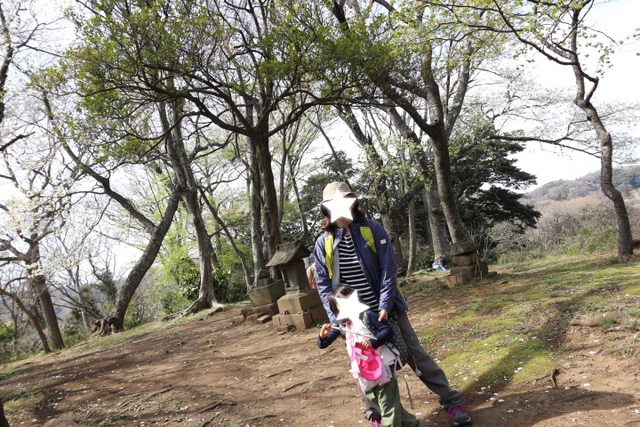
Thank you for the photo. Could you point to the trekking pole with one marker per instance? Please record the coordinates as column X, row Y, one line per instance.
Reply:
column 351, row 332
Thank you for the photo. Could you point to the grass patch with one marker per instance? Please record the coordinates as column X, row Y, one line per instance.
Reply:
column 511, row 327
column 142, row 330
column 14, row 372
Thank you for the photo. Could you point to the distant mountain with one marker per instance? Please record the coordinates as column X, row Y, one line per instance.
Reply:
column 624, row 179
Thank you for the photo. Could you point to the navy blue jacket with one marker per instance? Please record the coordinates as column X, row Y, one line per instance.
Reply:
column 379, row 269
column 383, row 335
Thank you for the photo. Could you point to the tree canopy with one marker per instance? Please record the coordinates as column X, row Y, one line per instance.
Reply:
column 202, row 132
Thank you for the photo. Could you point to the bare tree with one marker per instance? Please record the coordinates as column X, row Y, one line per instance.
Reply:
column 9, row 287
column 429, row 81
column 559, row 32
column 11, row 43
column 181, row 164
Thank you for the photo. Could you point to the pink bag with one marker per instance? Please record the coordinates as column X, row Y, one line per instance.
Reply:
column 369, row 362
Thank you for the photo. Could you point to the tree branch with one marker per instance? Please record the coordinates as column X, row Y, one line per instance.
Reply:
column 554, row 142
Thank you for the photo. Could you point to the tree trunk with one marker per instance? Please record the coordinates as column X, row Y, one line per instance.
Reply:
column 376, row 165
column 437, row 225
column 181, row 165
column 115, row 320
column 442, row 167
column 254, row 185
column 625, row 238
column 583, row 101
column 411, row 217
column 437, row 221
column 3, row 419
column 272, row 234
column 32, row 316
column 222, row 226
column 14, row 317
column 282, row 184
column 82, row 302
column 83, row 314
column 434, row 127
column 303, row 216
column 413, row 244
column 39, row 285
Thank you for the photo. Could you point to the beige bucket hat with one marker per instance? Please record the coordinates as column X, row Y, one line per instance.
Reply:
column 341, row 187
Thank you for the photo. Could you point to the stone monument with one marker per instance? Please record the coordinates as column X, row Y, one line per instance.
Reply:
column 301, row 306
column 467, row 264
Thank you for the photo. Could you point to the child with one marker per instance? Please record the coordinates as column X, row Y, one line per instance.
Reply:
column 366, row 348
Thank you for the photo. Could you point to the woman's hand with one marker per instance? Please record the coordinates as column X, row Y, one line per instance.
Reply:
column 383, row 315
column 326, row 329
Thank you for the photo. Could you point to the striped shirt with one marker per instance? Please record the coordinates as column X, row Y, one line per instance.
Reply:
column 351, row 273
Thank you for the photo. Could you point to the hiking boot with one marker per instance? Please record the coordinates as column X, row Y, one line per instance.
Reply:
column 459, row 416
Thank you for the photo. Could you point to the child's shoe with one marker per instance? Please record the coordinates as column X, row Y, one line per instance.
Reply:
column 459, row 416
column 375, row 419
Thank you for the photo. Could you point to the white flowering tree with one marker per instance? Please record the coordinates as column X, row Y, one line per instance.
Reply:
column 36, row 206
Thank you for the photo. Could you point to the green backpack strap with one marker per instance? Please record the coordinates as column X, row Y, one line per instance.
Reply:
column 367, row 234
column 328, row 250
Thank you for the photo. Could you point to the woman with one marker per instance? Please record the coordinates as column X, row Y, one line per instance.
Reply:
column 356, row 252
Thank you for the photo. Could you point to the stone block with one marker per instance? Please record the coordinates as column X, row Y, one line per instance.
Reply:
column 263, row 295
column 453, row 279
column 253, row 318
column 462, row 248
column 319, row 315
column 271, row 308
column 282, row 320
column 264, row 282
column 469, row 272
column 299, row 302
column 264, row 318
column 300, row 320
column 464, row 260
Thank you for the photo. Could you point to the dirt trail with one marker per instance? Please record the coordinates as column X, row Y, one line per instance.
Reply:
column 223, row 371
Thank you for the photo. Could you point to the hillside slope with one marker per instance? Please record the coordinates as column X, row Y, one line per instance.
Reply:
column 626, row 180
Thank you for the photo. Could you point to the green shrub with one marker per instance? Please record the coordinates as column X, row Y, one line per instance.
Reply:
column 173, row 301
column 74, row 331
column 229, row 287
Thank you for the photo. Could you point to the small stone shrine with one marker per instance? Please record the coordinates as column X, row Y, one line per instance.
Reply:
column 467, row 264
column 301, row 306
